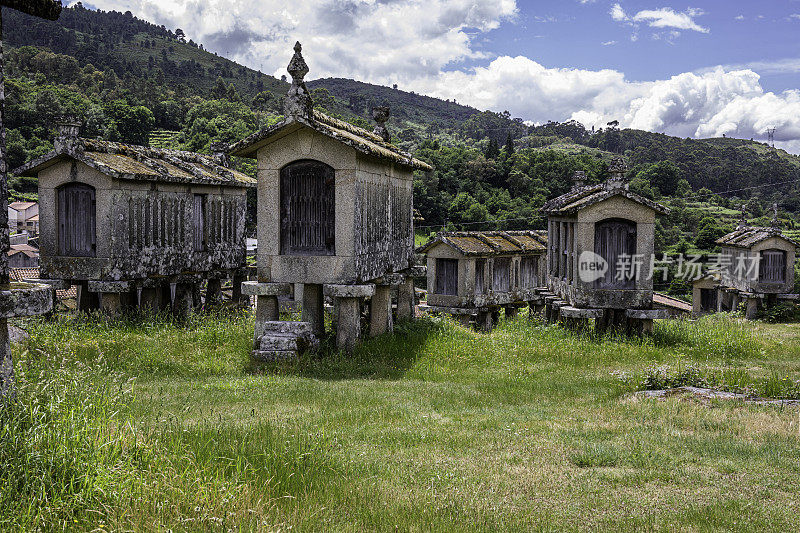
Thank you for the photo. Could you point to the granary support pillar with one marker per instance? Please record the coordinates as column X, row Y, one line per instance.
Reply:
column 511, row 311
column 266, row 302
column 111, row 294
column 182, row 299
column 406, row 302
column 150, row 294
column 313, row 308
column 213, row 291
column 752, row 308
column 380, row 311
column 348, row 300
column 237, row 297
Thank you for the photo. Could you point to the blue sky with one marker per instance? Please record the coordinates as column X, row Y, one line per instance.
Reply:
column 702, row 69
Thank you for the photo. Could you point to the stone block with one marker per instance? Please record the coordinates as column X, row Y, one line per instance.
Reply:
column 109, row 286
column 646, row 314
column 349, row 291
column 25, row 299
column 254, row 288
column 575, row 312
column 56, row 284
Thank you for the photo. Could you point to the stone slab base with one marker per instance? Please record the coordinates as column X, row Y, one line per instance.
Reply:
column 284, row 341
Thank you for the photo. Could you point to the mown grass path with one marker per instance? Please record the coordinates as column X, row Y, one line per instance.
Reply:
column 433, row 428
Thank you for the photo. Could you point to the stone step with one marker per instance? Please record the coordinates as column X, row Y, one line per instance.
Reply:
column 278, row 342
column 287, row 327
column 272, row 356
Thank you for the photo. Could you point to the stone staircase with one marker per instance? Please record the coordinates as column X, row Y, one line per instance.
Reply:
column 284, row 341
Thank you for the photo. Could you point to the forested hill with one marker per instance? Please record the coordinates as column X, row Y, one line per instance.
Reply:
column 134, row 81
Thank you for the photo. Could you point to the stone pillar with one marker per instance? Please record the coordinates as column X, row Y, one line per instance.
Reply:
column 406, row 300
column 752, row 308
column 150, row 300
column 380, row 311
column 267, row 309
column 183, row 301
column 348, row 299
column 485, row 320
column 313, row 308
column 197, row 300
column 213, row 291
column 237, row 298
column 110, row 302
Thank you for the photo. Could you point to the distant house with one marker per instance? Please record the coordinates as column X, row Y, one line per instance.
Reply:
column 23, row 256
column 25, row 217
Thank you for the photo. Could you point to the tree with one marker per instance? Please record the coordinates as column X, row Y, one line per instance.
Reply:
column 663, row 176
column 492, row 151
column 132, row 122
column 220, row 89
column 509, row 147
column 708, row 234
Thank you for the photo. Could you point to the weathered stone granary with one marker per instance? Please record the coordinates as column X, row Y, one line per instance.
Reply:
column 138, row 225
column 335, row 213
column 593, row 231
column 475, row 273
column 756, row 268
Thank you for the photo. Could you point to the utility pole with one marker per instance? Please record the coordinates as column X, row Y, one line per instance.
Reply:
column 771, row 136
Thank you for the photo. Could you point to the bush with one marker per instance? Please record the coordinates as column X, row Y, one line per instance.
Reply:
column 780, row 313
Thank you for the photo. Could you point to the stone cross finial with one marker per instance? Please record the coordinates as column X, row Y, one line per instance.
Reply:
column 381, row 114
column 617, row 169
column 578, row 179
column 298, row 103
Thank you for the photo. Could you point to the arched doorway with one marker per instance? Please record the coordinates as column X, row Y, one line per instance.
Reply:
column 77, row 233
column 615, row 238
column 307, row 208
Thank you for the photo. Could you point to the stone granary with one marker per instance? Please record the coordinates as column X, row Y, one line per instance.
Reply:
column 476, row 273
column 593, row 231
column 136, row 225
column 335, row 214
column 757, row 269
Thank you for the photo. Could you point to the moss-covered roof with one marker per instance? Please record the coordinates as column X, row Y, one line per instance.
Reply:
column 581, row 197
column 132, row 162
column 747, row 236
column 490, row 243
column 357, row 138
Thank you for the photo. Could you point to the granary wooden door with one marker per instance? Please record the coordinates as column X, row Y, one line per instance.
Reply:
column 772, row 266
column 77, row 235
column 307, row 209
column 447, row 276
column 615, row 239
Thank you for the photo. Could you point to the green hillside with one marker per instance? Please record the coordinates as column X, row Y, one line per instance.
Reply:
column 133, row 81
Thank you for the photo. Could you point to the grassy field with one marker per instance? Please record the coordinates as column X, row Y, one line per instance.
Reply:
column 139, row 425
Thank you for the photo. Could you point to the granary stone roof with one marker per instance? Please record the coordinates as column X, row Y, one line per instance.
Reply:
column 357, row 138
column 131, row 162
column 747, row 236
column 489, row 243
column 582, row 197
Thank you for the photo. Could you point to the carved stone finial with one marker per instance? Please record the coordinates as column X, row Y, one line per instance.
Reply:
column 743, row 217
column 219, row 153
column 381, row 114
column 67, row 131
column 298, row 103
column 775, row 224
column 578, row 179
column 617, row 169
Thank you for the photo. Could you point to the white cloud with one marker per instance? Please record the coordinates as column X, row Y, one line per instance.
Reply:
column 739, row 17
column 668, row 18
column 617, row 13
column 706, row 104
column 380, row 40
column 421, row 44
column 609, row 43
